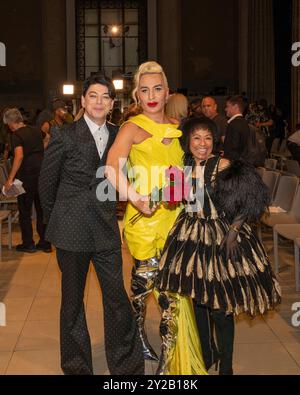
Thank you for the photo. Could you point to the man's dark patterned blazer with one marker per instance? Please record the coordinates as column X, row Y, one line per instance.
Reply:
column 77, row 220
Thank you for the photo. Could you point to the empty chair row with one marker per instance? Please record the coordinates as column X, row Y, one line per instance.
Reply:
column 284, row 215
column 290, row 232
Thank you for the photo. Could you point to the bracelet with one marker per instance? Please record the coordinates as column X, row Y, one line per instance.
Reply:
column 234, row 228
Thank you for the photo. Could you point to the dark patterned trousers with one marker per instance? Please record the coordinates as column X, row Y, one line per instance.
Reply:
column 122, row 342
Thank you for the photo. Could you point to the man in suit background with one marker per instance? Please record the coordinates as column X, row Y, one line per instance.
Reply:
column 238, row 132
column 85, row 229
column 210, row 110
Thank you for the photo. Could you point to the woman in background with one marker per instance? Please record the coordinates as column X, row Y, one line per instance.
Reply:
column 177, row 108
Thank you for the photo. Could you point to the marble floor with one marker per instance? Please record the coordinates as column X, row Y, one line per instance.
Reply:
column 29, row 343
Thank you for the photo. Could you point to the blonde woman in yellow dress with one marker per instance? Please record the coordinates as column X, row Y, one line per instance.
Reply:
column 148, row 143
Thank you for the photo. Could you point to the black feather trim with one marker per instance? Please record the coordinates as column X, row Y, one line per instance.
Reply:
column 240, row 192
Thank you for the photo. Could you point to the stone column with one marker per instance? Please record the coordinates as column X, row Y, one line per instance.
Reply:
column 296, row 70
column 54, row 45
column 261, row 56
column 152, row 29
column 243, row 45
column 169, row 40
column 71, row 40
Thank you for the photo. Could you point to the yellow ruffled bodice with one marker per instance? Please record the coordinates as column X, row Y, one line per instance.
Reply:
column 146, row 166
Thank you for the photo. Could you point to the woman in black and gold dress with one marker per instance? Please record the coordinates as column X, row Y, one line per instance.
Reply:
column 212, row 253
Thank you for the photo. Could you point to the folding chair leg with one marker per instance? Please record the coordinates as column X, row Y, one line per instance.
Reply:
column 276, row 258
column 297, row 268
column 9, row 232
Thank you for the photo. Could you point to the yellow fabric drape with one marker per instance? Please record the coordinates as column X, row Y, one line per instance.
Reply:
column 187, row 358
column 146, row 165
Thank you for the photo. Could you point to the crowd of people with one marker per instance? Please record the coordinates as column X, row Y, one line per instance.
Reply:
column 198, row 256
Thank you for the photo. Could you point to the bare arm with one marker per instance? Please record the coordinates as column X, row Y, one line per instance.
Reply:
column 18, row 158
column 116, row 161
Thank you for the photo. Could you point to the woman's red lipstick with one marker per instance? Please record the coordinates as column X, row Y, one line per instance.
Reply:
column 152, row 104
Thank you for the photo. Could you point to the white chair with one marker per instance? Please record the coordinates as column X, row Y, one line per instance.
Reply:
column 275, row 147
column 285, row 193
column 271, row 164
column 270, row 178
column 297, row 268
column 290, row 232
column 5, row 169
column 8, row 203
column 290, row 217
column 5, row 214
column 293, row 167
column 283, row 154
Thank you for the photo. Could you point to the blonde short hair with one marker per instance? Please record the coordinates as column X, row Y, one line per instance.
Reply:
column 177, row 106
column 150, row 67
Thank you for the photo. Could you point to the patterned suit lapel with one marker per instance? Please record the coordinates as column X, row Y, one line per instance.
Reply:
column 86, row 143
column 111, row 138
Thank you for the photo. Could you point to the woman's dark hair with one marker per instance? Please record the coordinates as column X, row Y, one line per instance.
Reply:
column 188, row 128
column 102, row 80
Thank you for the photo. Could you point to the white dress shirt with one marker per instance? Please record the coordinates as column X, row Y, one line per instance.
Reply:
column 235, row 116
column 100, row 134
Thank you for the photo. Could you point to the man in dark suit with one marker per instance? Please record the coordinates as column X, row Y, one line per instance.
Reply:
column 84, row 228
column 238, row 133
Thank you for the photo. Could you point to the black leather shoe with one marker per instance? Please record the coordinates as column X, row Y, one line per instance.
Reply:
column 23, row 248
column 45, row 247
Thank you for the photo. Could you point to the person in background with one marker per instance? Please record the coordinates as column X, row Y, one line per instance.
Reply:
column 60, row 113
column 210, row 110
column 177, row 108
column 196, row 108
column 28, row 151
column 79, row 114
column 116, row 117
column 133, row 110
column 238, row 132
